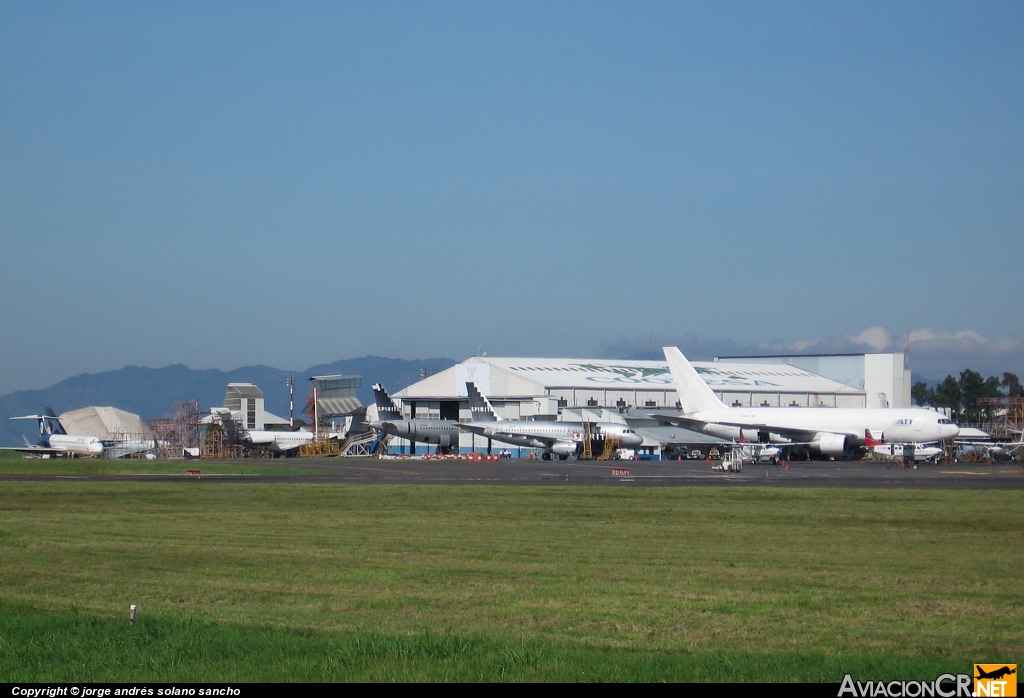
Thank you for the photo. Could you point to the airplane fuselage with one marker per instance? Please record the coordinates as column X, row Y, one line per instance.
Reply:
column 75, row 445
column 443, row 432
column 921, row 453
column 558, row 437
column 833, row 430
column 280, row 441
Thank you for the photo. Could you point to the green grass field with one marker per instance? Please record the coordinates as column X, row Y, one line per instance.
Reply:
column 303, row 582
column 12, row 463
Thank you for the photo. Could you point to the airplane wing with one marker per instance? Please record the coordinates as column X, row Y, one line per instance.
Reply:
column 801, row 435
column 546, row 440
column 510, row 437
column 681, row 421
column 33, row 449
column 797, row 436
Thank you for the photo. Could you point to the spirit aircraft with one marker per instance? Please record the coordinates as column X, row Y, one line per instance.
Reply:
column 559, row 438
column 443, row 432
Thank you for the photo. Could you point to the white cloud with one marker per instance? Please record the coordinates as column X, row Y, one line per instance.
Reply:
column 933, row 355
column 878, row 338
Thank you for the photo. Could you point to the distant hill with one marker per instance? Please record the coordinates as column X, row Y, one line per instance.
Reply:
column 149, row 392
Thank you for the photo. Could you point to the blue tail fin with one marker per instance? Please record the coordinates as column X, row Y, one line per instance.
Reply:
column 52, row 424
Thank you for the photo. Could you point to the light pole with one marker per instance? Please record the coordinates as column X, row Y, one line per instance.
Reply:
column 291, row 401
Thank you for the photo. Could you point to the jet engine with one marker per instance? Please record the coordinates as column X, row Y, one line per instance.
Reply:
column 830, row 444
column 563, row 449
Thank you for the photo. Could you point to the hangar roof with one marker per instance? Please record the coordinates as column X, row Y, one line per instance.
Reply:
column 240, row 390
column 104, row 423
column 522, row 377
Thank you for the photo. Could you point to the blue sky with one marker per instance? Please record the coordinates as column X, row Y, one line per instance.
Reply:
column 231, row 184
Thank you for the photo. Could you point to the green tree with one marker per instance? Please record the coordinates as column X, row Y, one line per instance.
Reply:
column 972, row 386
column 922, row 394
column 1012, row 384
column 990, row 389
column 947, row 394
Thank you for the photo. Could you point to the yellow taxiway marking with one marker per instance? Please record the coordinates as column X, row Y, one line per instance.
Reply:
column 960, row 472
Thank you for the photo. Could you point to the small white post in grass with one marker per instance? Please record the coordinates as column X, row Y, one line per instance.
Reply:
column 131, row 614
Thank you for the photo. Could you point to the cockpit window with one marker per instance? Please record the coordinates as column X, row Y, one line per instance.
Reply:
column 945, row 421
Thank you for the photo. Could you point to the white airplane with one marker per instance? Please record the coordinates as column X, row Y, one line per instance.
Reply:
column 54, row 441
column 921, row 453
column 1006, row 451
column 999, row 450
column 560, row 438
column 828, row 431
column 278, row 441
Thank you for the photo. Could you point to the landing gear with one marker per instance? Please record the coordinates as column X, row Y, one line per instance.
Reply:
column 564, row 456
column 545, row 456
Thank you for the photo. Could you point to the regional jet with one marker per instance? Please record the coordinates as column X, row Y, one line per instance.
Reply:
column 828, row 431
column 55, row 441
column 559, row 438
column 443, row 432
column 278, row 441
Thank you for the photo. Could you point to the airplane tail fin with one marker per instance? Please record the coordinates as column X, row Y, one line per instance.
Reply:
column 479, row 406
column 386, row 407
column 694, row 393
column 870, row 440
column 53, row 425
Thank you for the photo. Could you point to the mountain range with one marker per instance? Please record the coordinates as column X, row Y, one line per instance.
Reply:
column 149, row 392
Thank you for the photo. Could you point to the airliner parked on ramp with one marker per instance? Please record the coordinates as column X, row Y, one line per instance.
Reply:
column 55, row 441
column 443, row 432
column 560, row 438
column 828, row 431
column 278, row 441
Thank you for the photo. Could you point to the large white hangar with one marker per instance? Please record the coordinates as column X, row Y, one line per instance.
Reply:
column 884, row 378
column 538, row 388
column 601, row 389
